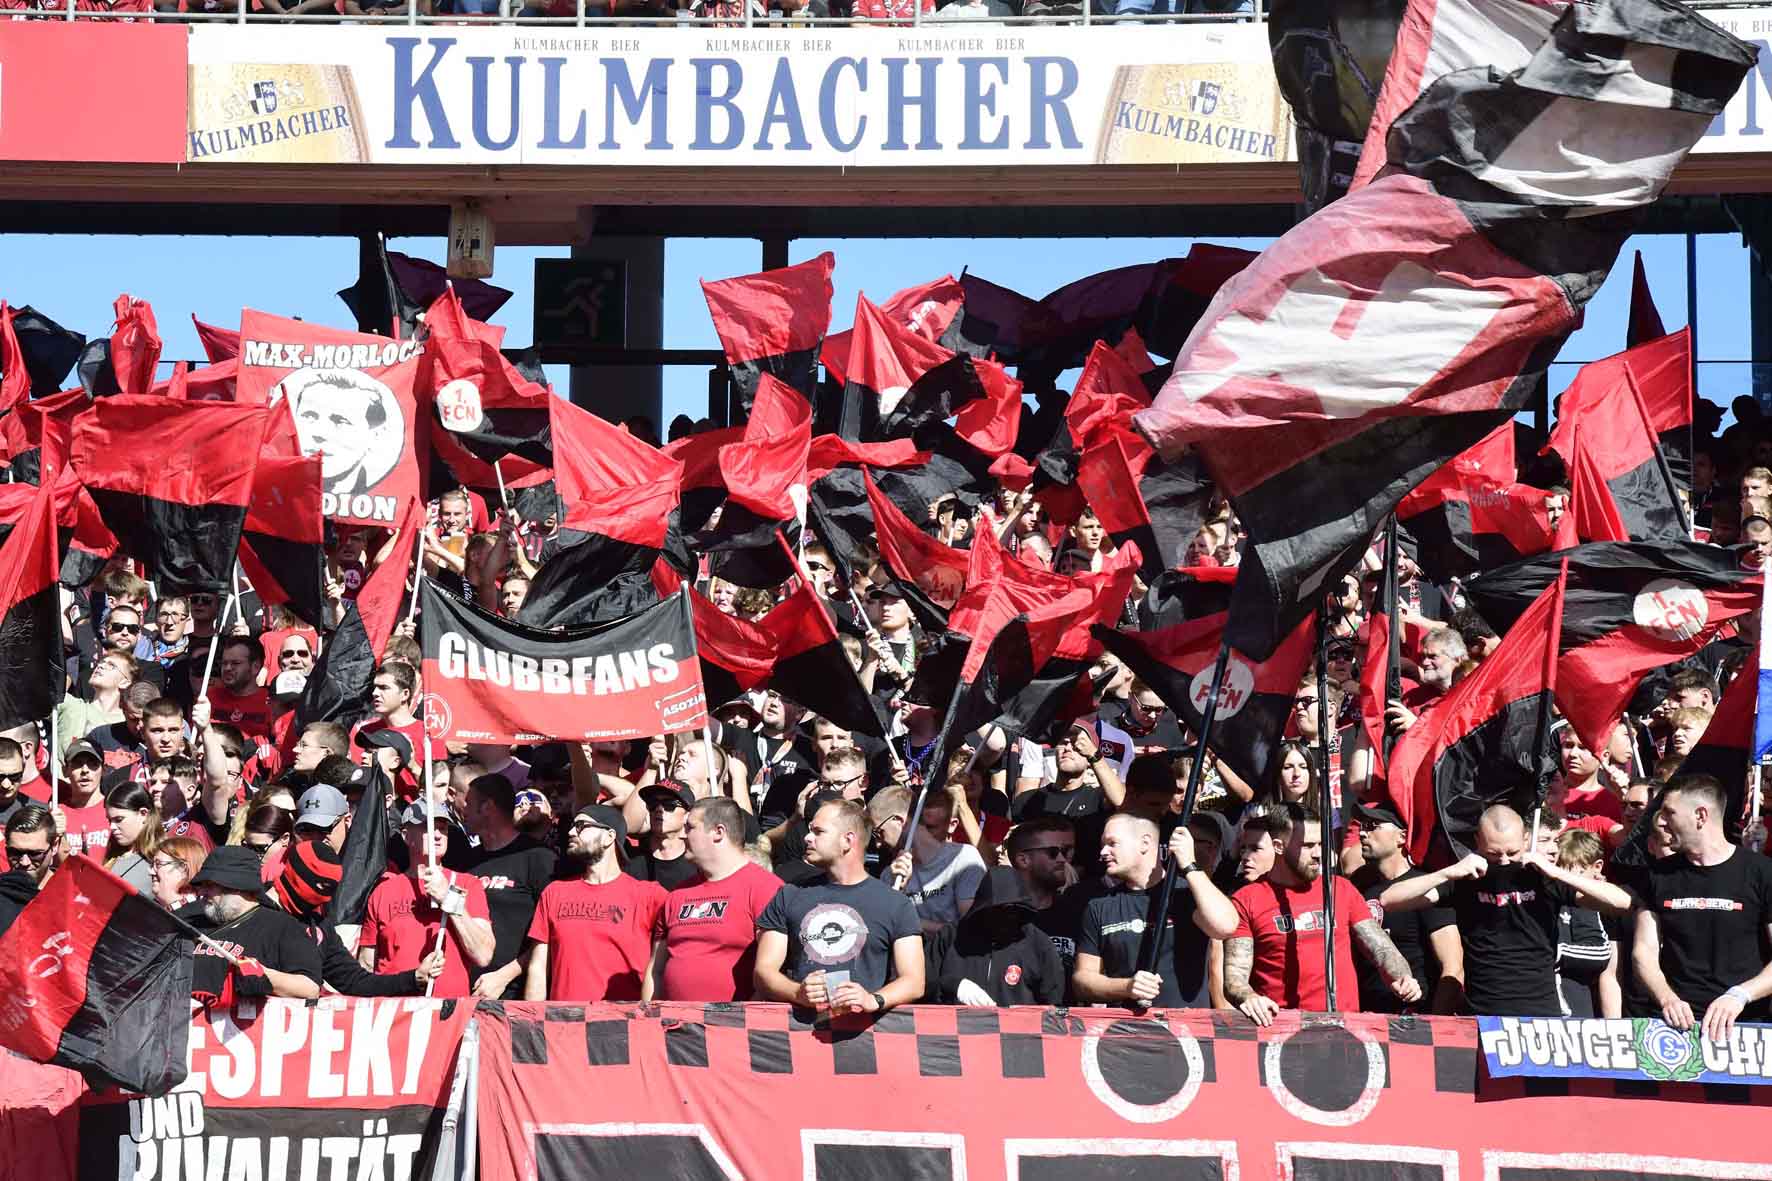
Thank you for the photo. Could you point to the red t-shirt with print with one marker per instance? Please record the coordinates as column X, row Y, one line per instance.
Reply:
column 599, row 937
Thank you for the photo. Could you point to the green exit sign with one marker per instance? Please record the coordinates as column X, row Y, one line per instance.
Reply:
column 581, row 303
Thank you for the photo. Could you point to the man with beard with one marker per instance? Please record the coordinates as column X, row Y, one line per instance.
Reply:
column 236, row 697
column 1506, row 897
column 513, row 869
column 1442, row 653
column 1115, row 922
column 406, row 912
column 1042, row 853
column 273, row 955
column 850, row 944
column 1274, row 958
column 996, row 956
column 592, row 936
column 1427, row 938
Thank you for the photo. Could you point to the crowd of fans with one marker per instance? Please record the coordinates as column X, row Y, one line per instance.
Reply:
column 767, row 864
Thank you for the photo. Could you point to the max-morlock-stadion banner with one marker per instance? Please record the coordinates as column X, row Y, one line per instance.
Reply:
column 340, row 1090
column 490, row 680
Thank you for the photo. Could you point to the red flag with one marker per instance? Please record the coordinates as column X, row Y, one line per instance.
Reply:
column 1482, row 743
column 135, row 345
column 773, row 322
column 931, row 575
column 219, row 344
column 765, row 472
column 1473, row 514
column 15, row 378
column 928, row 310
column 885, row 360
column 1645, row 321
column 380, row 597
column 282, row 546
column 486, row 421
column 991, row 422
column 830, row 452
column 353, row 401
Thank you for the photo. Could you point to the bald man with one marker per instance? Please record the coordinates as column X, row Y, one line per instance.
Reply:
column 1505, row 897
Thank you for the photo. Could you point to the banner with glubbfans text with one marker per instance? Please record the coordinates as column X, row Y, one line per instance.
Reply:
column 491, row 680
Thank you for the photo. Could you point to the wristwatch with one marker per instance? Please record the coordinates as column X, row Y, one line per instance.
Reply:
column 879, row 1003
column 1190, row 867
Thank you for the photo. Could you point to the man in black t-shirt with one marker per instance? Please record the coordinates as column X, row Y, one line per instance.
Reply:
column 779, row 759
column 849, row 944
column 1428, row 939
column 1705, row 913
column 1506, row 897
column 666, row 861
column 513, row 868
column 1087, row 806
column 1114, row 923
column 276, row 956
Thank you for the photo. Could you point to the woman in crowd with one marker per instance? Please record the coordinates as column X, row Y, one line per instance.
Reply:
column 1295, row 779
column 267, row 832
column 174, row 863
column 135, row 834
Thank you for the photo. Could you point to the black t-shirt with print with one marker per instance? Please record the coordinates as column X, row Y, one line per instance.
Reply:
column 265, row 933
column 514, row 878
column 1114, row 926
column 668, row 872
column 1712, row 923
column 1508, row 921
column 1084, row 807
column 1412, row 931
column 832, row 928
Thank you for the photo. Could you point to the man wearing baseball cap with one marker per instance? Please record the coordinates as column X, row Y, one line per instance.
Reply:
column 592, row 936
column 273, row 955
column 1428, row 938
column 405, row 914
column 667, row 809
column 323, row 814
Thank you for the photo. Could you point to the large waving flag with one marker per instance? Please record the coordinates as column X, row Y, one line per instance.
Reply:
column 1396, row 327
column 773, row 322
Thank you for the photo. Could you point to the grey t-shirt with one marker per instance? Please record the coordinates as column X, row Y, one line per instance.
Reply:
column 941, row 886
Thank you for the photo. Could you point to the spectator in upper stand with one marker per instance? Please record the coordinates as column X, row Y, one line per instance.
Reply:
column 276, row 957
column 1756, row 541
column 1042, row 853
column 511, row 593
column 891, row 636
column 296, row 654
column 1442, row 654
column 1086, row 547
column 303, row 889
column 1296, row 779
column 12, row 777
column 124, row 743
column 111, row 674
column 1085, row 791
column 236, row 697
column 666, row 858
column 1111, row 934
column 1479, row 638
column 31, row 855
column 175, row 863
column 1274, row 958
column 1506, row 897
column 1704, row 915
column 122, row 630
column 82, row 818
column 1756, row 482
column 393, row 695
column 1686, row 726
column 513, row 869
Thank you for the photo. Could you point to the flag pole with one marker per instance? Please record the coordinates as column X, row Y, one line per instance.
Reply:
column 1149, row 946
column 1326, row 809
column 1393, row 660
column 430, row 831
column 1661, row 465
column 418, row 572
column 1541, row 735
column 221, row 626
column 503, row 497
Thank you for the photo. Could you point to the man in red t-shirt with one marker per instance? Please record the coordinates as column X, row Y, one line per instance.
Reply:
column 83, row 820
column 393, row 694
column 591, row 937
column 1274, row 959
column 405, row 911
column 235, row 696
column 707, row 931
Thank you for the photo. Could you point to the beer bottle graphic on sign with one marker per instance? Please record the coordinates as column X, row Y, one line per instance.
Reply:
column 247, row 113
column 1195, row 113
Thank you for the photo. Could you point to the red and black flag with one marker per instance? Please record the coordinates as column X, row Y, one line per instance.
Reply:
column 1190, row 592
column 1395, row 327
column 49, row 350
column 1137, row 495
column 98, row 979
column 488, row 422
column 1487, row 741
column 1255, row 701
column 15, row 376
column 493, row 680
column 1645, row 322
column 135, row 345
column 1631, row 607
column 1473, row 514
column 393, row 289
column 931, row 576
column 30, row 615
column 885, row 364
column 177, row 507
column 283, row 542
column 1615, row 416
column 618, row 494
column 936, row 311
column 773, row 322
column 764, row 477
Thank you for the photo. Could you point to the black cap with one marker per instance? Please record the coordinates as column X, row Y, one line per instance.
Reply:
column 674, row 789
column 232, row 867
column 388, row 737
column 604, row 816
column 1381, row 812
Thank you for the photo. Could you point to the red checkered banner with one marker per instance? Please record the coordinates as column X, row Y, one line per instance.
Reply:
column 409, row 1089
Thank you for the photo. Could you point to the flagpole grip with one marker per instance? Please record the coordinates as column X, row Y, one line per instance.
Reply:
column 1151, row 944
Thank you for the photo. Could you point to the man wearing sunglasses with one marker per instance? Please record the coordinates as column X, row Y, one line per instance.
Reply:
column 31, row 856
